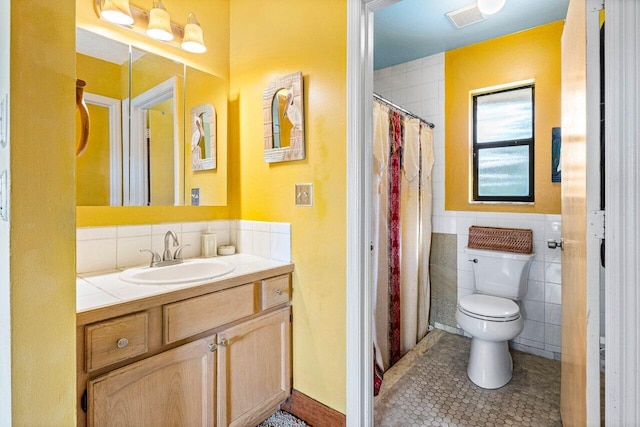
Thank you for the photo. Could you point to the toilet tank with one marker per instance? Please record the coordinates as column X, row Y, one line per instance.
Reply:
column 502, row 274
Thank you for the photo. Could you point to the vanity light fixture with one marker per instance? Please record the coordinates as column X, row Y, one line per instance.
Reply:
column 193, row 40
column 155, row 24
column 159, row 27
column 489, row 7
column 117, row 12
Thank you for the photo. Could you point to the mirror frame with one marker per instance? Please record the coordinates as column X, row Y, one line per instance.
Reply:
column 295, row 150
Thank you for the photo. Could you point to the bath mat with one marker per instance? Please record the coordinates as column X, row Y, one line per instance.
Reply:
column 282, row 419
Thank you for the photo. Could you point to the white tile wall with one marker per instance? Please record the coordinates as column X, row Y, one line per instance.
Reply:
column 110, row 248
column 419, row 87
column 540, row 307
column 266, row 239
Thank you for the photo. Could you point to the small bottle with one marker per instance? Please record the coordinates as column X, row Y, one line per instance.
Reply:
column 209, row 244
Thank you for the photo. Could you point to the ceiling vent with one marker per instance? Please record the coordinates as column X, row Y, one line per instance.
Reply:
column 466, row 16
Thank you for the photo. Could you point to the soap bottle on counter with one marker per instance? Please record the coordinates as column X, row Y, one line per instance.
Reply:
column 208, row 243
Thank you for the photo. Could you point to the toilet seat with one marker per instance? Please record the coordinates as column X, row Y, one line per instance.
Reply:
column 487, row 307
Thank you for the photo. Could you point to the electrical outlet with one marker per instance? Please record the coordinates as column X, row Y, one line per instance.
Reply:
column 304, row 194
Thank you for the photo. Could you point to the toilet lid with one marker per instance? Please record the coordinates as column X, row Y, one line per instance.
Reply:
column 487, row 306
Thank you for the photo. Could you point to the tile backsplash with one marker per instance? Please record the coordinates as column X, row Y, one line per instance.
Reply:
column 115, row 247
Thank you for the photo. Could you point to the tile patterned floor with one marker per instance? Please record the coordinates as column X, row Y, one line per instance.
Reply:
column 435, row 391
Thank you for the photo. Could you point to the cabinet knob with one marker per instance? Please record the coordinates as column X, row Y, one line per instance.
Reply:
column 212, row 347
column 223, row 342
column 278, row 291
column 122, row 343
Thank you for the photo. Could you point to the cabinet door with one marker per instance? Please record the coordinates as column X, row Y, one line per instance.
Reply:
column 254, row 369
column 174, row 388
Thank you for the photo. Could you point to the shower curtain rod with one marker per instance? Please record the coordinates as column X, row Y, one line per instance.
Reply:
column 402, row 110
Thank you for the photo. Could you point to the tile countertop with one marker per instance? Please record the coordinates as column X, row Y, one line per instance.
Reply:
column 102, row 289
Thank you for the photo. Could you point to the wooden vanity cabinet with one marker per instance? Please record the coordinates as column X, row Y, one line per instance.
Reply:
column 173, row 388
column 254, row 369
column 187, row 365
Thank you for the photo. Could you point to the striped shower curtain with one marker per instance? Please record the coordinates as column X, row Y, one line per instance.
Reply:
column 403, row 160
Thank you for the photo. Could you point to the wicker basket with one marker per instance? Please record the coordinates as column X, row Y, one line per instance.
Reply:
column 517, row 240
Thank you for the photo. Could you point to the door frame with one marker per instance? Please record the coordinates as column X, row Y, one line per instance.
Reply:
column 593, row 235
column 138, row 152
column 359, row 346
column 622, row 273
column 622, row 393
column 115, row 143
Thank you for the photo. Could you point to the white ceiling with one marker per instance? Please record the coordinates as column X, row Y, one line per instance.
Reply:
column 97, row 46
column 412, row 29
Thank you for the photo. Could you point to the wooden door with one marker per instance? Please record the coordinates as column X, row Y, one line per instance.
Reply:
column 174, row 388
column 580, row 198
column 254, row 369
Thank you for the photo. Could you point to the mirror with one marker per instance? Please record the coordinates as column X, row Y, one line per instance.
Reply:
column 139, row 151
column 282, row 102
column 283, row 105
column 156, row 118
column 104, row 66
column 205, row 157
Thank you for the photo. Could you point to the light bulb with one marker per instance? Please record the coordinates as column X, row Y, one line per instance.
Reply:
column 489, row 7
column 117, row 12
column 193, row 40
column 159, row 26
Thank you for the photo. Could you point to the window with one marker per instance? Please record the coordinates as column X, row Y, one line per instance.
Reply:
column 503, row 145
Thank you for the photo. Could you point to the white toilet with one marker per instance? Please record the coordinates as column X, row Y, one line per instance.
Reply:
column 491, row 316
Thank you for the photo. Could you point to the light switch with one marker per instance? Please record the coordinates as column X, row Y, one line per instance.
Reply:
column 304, row 194
column 195, row 197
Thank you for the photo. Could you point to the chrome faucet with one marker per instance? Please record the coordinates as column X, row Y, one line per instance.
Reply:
column 167, row 257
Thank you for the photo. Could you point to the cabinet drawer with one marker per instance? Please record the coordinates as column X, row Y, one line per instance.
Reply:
column 193, row 316
column 275, row 290
column 115, row 340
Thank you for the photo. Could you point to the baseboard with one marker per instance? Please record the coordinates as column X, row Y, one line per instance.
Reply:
column 313, row 412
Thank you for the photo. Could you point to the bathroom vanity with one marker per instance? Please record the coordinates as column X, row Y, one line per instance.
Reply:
column 210, row 353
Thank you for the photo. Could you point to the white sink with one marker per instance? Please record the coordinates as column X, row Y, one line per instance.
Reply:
column 194, row 270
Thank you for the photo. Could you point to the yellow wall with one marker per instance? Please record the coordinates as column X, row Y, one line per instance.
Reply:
column 150, row 70
column 42, row 217
column 102, row 77
column 531, row 54
column 92, row 167
column 314, row 43
column 214, row 17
